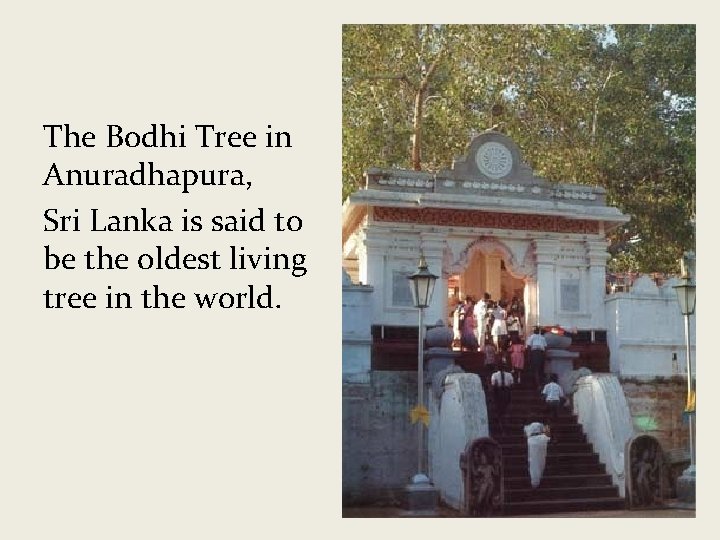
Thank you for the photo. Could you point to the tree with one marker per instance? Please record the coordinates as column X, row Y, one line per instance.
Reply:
column 584, row 109
column 649, row 157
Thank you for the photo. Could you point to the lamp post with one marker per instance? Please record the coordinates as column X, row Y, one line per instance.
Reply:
column 422, row 284
column 686, row 299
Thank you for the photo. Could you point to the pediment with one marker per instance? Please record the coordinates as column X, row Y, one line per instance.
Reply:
column 492, row 157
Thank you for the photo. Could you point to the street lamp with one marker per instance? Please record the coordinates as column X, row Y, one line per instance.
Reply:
column 686, row 299
column 422, row 284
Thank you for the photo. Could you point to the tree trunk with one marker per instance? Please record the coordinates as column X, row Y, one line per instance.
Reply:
column 418, row 111
column 417, row 128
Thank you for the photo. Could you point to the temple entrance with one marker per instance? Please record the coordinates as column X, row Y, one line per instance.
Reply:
column 487, row 266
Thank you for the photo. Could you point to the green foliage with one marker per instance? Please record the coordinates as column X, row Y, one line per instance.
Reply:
column 584, row 109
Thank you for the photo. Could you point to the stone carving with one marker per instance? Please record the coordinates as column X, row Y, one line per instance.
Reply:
column 491, row 155
column 644, row 472
column 557, row 346
column 569, row 379
column 439, row 335
column 438, row 354
column 481, row 465
column 494, row 160
column 496, row 220
column 438, row 381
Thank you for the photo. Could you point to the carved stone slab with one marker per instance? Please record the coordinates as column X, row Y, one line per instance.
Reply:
column 481, row 465
column 644, row 472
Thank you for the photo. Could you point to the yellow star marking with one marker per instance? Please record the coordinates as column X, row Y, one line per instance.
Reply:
column 690, row 405
column 420, row 413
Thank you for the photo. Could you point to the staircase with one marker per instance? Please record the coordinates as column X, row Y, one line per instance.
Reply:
column 574, row 478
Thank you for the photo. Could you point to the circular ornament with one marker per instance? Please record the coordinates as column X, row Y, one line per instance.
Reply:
column 494, row 160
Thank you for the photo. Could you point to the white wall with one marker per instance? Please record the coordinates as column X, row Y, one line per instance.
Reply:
column 457, row 418
column 357, row 307
column 602, row 409
column 645, row 328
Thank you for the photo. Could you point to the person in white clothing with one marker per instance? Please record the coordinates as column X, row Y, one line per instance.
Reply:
column 456, row 321
column 537, row 441
column 553, row 393
column 536, row 346
column 499, row 328
column 479, row 311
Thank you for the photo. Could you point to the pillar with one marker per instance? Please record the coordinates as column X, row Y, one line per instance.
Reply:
column 530, row 302
column 492, row 275
column 597, row 256
column 372, row 267
column 433, row 247
column 546, row 252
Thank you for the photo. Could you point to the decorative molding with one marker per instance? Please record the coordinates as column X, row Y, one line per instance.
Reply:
column 496, row 220
column 546, row 251
column 486, row 245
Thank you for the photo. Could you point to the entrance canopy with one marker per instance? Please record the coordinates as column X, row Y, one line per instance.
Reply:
column 490, row 187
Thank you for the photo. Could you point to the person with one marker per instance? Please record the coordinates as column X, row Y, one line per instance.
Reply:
column 479, row 312
column 468, row 341
column 513, row 324
column 461, row 310
column 499, row 328
column 517, row 307
column 517, row 356
column 489, row 317
column 462, row 313
column 490, row 352
column 501, row 382
column 537, row 441
column 457, row 327
column 536, row 344
column 553, row 392
column 514, row 303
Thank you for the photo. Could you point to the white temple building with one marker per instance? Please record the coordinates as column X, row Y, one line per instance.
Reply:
column 486, row 225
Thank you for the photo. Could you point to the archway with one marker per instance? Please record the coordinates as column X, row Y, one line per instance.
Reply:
column 488, row 265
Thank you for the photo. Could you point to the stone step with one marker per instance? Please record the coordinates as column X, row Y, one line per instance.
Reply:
column 531, row 416
column 552, row 449
column 555, row 460
column 534, row 399
column 519, row 467
column 574, row 479
column 554, row 493
column 521, row 411
column 563, row 505
column 521, row 393
column 559, row 438
column 538, row 405
column 570, row 480
column 516, row 428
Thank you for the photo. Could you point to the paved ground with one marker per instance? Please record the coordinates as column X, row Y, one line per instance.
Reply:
column 392, row 512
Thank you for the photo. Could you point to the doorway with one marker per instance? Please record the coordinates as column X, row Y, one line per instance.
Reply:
column 487, row 270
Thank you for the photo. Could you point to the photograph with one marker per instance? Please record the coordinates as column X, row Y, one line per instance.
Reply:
column 518, row 270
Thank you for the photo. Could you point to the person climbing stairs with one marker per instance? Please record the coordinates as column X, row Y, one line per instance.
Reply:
column 574, row 479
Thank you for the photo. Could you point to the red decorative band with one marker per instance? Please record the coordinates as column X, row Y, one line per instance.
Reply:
column 492, row 220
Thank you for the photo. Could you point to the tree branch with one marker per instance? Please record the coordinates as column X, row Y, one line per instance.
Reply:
column 597, row 103
column 418, row 110
column 401, row 77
